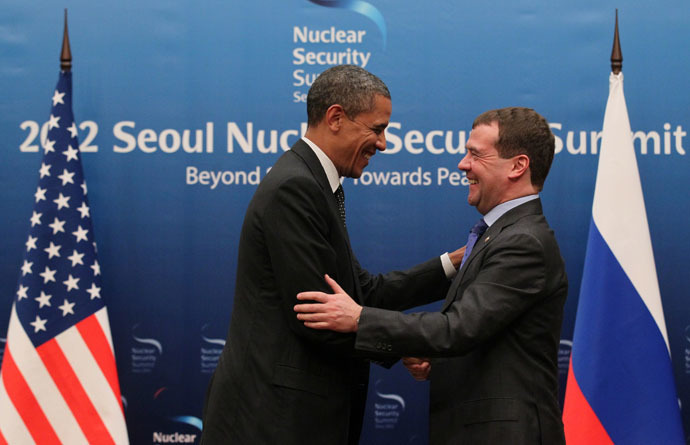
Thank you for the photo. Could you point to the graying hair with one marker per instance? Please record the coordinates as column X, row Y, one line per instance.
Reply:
column 349, row 86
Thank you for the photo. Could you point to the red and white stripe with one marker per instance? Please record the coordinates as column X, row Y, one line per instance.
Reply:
column 64, row 391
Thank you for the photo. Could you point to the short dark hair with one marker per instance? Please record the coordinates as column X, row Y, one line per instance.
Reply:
column 523, row 131
column 350, row 86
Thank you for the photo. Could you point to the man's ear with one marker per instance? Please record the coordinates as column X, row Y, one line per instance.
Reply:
column 520, row 166
column 334, row 117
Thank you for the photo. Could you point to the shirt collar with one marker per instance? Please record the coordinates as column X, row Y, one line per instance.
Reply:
column 501, row 209
column 326, row 163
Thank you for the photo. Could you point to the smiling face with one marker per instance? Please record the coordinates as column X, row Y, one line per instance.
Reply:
column 360, row 137
column 487, row 172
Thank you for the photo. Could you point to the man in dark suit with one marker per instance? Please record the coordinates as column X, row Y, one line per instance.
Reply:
column 278, row 382
column 494, row 344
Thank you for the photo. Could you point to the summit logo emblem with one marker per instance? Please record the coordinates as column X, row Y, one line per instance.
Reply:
column 144, row 353
column 387, row 409
column 361, row 7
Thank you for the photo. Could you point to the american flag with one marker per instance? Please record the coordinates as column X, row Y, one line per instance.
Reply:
column 58, row 382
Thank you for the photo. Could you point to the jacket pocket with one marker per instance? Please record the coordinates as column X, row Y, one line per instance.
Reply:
column 294, row 378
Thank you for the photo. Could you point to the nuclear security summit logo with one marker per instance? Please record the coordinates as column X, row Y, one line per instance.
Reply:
column 388, row 408
column 211, row 349
column 174, row 428
column 321, row 46
column 188, row 430
column 361, row 7
column 145, row 352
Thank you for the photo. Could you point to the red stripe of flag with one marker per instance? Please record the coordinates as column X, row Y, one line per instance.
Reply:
column 3, row 441
column 582, row 426
column 98, row 344
column 25, row 402
column 73, row 392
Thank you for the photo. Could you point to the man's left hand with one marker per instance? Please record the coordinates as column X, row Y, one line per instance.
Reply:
column 337, row 311
column 456, row 256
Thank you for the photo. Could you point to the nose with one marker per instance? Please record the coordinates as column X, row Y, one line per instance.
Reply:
column 464, row 164
column 381, row 141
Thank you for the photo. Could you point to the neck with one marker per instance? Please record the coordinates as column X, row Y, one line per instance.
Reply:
column 323, row 139
column 520, row 188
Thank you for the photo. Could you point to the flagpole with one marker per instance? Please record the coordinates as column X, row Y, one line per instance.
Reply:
column 66, row 54
column 616, row 53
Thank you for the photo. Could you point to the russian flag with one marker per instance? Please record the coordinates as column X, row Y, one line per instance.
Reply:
column 620, row 385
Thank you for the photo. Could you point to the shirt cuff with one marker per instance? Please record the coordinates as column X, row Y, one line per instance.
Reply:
column 448, row 267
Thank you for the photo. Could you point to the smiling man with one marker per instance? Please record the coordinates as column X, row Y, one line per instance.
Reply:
column 494, row 344
column 277, row 381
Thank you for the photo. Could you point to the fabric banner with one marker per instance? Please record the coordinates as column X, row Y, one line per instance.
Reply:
column 620, row 384
column 58, row 382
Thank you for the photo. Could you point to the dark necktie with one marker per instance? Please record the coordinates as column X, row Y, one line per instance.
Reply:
column 476, row 231
column 340, row 200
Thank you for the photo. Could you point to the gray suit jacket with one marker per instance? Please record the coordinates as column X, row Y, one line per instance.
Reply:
column 495, row 340
column 278, row 382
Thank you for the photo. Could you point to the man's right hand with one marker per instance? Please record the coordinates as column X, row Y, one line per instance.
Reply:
column 418, row 367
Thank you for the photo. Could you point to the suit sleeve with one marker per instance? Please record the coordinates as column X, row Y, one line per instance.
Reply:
column 510, row 281
column 402, row 290
column 296, row 226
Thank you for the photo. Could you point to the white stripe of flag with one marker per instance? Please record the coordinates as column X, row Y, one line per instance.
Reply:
column 45, row 391
column 618, row 209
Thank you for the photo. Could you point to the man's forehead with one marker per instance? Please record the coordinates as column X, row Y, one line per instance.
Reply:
column 382, row 108
column 480, row 134
column 485, row 129
column 383, row 102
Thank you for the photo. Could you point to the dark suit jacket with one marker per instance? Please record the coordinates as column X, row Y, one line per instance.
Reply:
column 495, row 379
column 278, row 382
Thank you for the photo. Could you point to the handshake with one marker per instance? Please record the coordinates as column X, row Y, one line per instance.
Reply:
column 418, row 367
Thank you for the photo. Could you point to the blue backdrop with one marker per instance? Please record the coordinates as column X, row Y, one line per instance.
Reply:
column 184, row 105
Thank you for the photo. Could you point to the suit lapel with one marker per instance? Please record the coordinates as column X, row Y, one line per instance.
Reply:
column 510, row 217
column 301, row 149
column 307, row 154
